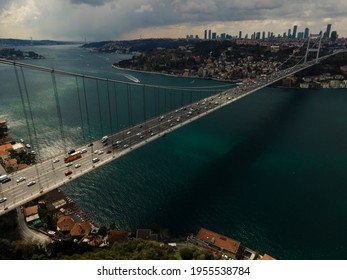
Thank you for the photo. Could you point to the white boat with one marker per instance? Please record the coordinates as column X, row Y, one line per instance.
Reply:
column 21, row 140
column 28, row 146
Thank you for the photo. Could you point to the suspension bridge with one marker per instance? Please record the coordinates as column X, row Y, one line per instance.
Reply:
column 150, row 112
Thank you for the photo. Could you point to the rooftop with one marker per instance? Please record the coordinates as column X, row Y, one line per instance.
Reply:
column 218, row 240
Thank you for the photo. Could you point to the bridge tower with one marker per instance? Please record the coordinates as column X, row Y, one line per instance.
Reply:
column 314, row 48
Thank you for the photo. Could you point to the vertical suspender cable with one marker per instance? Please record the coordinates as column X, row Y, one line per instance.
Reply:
column 98, row 94
column 23, row 103
column 33, row 123
column 87, row 111
column 80, row 109
column 116, row 107
column 128, row 105
column 109, row 108
column 57, row 103
column 144, row 104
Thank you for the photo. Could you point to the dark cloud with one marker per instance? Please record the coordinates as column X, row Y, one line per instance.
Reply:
column 109, row 19
column 91, row 2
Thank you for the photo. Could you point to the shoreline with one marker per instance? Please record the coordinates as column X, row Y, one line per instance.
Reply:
column 59, row 203
column 172, row 75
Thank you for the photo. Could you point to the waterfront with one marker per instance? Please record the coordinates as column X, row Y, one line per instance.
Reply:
column 268, row 170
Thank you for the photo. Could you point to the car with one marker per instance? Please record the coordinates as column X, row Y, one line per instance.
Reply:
column 56, row 160
column 96, row 151
column 90, row 144
column 31, row 183
column 68, row 164
column 71, row 152
column 84, row 151
column 68, row 172
column 125, row 146
column 105, row 144
column 129, row 132
column 21, row 179
column 140, row 126
column 108, row 152
column 100, row 152
column 95, row 160
column 78, row 165
column 3, row 199
column 104, row 139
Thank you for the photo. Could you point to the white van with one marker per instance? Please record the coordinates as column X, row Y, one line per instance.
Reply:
column 104, row 139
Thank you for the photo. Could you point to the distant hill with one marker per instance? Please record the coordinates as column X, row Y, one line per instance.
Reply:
column 139, row 45
column 19, row 42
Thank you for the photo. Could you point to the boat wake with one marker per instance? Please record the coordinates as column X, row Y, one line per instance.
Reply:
column 131, row 78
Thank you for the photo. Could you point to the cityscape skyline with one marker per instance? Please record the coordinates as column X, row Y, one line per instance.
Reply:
column 295, row 34
column 99, row 20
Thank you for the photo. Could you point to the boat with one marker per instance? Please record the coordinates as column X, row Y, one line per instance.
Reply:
column 21, row 140
column 28, row 146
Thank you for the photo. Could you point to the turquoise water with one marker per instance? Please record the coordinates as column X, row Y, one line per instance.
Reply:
column 268, row 170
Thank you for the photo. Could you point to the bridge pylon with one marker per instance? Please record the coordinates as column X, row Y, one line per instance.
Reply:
column 316, row 37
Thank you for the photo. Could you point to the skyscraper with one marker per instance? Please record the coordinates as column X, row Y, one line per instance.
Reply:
column 327, row 32
column 205, row 34
column 209, row 34
column 295, row 28
column 306, row 33
column 333, row 36
column 240, row 34
column 289, row 33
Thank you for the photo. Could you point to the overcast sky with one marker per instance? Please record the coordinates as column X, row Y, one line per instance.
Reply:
column 131, row 19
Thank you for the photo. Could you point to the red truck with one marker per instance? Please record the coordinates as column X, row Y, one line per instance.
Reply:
column 73, row 156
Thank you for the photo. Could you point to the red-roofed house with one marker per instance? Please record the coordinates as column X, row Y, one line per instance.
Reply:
column 4, row 155
column 65, row 223
column 6, row 147
column 11, row 165
column 31, row 213
column 267, row 257
column 81, row 229
column 118, row 236
column 219, row 241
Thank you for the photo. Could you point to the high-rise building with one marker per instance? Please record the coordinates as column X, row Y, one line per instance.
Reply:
column 240, row 34
column 209, row 34
column 205, row 34
column 295, row 28
column 263, row 36
column 222, row 36
column 214, row 35
column 327, row 32
column 306, row 33
column 333, row 36
column 258, row 36
column 289, row 33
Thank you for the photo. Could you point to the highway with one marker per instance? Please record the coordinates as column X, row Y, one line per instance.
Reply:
column 49, row 175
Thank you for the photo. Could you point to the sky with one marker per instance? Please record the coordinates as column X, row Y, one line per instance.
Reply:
column 98, row 20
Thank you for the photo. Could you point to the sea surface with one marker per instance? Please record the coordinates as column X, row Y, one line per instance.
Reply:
column 268, row 170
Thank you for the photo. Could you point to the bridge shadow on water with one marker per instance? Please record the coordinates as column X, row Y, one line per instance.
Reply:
column 226, row 175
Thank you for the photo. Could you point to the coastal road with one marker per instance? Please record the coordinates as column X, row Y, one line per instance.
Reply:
column 28, row 234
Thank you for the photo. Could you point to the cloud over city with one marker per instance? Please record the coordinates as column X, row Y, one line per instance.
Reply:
column 119, row 19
